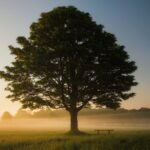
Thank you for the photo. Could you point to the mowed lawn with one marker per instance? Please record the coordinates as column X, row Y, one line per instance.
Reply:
column 46, row 140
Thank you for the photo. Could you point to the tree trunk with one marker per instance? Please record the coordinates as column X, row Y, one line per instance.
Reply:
column 74, row 122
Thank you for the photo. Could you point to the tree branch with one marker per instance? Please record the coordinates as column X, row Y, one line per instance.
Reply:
column 84, row 103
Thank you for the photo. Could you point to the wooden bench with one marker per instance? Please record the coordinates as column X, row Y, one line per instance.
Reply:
column 108, row 131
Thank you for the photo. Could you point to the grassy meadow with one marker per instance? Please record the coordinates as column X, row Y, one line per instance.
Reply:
column 50, row 140
column 28, row 132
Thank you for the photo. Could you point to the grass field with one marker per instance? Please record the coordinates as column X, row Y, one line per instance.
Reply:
column 46, row 140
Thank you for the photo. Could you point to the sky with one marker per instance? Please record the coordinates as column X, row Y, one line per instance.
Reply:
column 128, row 19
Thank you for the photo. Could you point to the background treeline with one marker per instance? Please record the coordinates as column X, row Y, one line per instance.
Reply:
column 143, row 113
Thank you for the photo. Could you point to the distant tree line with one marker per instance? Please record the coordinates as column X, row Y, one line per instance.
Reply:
column 47, row 113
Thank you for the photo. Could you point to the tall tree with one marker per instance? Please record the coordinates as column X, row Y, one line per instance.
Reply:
column 69, row 61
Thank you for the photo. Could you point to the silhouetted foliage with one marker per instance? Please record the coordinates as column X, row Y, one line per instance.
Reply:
column 21, row 114
column 70, row 62
column 6, row 115
column 144, row 109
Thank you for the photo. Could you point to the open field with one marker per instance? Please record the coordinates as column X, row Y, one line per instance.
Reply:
column 50, row 140
column 131, row 131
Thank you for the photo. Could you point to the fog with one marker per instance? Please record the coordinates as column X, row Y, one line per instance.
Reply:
column 85, row 122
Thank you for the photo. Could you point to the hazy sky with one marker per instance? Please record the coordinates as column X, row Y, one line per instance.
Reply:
column 129, row 20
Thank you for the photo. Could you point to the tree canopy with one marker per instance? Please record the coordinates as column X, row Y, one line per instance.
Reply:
column 69, row 61
column 6, row 116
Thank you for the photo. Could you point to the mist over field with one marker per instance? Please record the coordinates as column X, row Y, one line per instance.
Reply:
column 88, row 119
